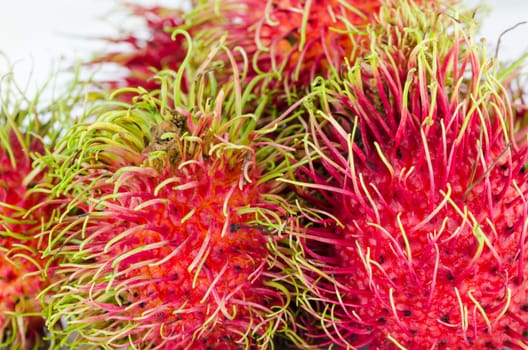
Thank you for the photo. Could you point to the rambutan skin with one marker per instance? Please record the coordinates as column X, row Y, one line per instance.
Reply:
column 179, row 256
column 412, row 157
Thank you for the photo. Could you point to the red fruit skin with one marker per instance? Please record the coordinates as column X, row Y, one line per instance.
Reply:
column 20, row 261
column 431, row 200
column 424, row 286
column 228, row 250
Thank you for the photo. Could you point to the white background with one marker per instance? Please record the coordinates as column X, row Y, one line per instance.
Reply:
column 35, row 34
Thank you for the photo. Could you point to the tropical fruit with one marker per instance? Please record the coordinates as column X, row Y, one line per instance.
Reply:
column 413, row 158
column 169, row 229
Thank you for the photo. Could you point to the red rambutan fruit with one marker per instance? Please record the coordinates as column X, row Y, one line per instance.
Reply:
column 169, row 234
column 412, row 157
column 21, row 325
column 24, row 211
column 293, row 40
column 286, row 43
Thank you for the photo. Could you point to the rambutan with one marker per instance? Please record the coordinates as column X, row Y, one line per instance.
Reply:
column 284, row 43
column 293, row 40
column 170, row 229
column 413, row 159
column 24, row 211
column 20, row 282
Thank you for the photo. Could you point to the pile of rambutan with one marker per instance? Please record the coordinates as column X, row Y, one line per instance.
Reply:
column 273, row 175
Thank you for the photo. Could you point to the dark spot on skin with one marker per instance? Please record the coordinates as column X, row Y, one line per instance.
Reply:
column 407, row 313
column 398, row 153
column 445, row 318
column 238, row 268
column 175, row 277
column 450, row 276
column 142, row 304
column 524, row 307
column 382, row 320
column 90, row 261
column 136, row 294
column 9, row 277
column 381, row 259
column 525, row 333
column 233, row 228
column 503, row 167
column 523, row 169
column 261, row 228
column 292, row 39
